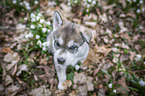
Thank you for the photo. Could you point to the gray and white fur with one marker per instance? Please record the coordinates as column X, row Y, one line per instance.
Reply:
column 69, row 43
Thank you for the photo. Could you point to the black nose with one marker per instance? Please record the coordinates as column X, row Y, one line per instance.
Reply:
column 60, row 60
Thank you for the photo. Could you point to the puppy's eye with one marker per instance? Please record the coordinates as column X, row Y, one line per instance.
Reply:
column 57, row 43
column 73, row 47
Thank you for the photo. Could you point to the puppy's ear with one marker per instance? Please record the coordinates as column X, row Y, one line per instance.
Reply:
column 86, row 34
column 57, row 20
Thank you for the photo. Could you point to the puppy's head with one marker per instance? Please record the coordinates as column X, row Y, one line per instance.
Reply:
column 70, row 41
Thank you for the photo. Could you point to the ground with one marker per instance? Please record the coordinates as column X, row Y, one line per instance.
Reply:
column 115, row 64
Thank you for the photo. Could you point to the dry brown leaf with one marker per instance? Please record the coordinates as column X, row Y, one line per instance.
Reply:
column 13, row 63
column 91, row 58
column 109, row 6
column 122, row 81
column 67, row 83
column 102, row 49
column 101, row 92
column 41, row 91
column 114, row 49
column 21, row 68
column 6, row 50
column 116, row 58
column 103, row 17
column 73, row 93
column 20, row 28
column 123, row 58
column 82, row 90
column 8, row 80
column 11, row 89
column 82, row 78
column 91, row 24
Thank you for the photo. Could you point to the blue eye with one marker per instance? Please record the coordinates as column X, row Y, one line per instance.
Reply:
column 73, row 47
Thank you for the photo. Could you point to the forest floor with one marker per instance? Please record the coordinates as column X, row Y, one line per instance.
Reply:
column 115, row 67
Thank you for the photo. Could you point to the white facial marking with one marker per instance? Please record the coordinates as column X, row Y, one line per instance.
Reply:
column 60, row 41
column 70, row 43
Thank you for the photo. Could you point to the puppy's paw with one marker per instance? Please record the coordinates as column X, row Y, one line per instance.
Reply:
column 61, row 87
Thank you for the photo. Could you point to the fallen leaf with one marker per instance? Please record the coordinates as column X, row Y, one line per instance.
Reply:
column 122, row 81
column 21, row 68
column 101, row 92
column 67, row 83
column 82, row 90
column 20, row 28
column 6, row 50
column 73, row 93
column 102, row 49
column 91, row 24
column 13, row 63
column 103, row 17
column 8, row 80
column 41, row 91
column 11, row 89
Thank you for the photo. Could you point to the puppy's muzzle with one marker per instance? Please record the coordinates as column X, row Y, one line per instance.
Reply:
column 60, row 60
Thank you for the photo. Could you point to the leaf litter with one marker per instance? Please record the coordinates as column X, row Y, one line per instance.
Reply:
column 119, row 38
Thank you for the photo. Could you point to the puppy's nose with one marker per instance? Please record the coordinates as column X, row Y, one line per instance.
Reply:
column 60, row 60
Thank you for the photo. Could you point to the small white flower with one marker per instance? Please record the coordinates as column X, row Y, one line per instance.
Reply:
column 37, row 36
column 138, row 11
column 32, row 26
column 48, row 22
column 48, row 30
column 142, row 83
column 138, row 57
column 77, row 67
column 88, row 5
column 14, row 1
column 44, row 44
column 40, row 25
column 32, row 15
column 68, row 4
column 143, row 62
column 85, row 3
column 26, row 36
column 114, row 91
column 94, row 2
column 36, row 2
column 134, row 0
column 25, row 18
column 141, row 1
column 75, row 1
column 21, row 3
column 27, row 4
column 39, row 14
column 110, row 85
column 42, row 21
column 44, row 48
column 44, row 30
column 87, row 10
column 33, row 20
column 28, row 7
column 129, row 0
column 39, row 43
column 37, row 18
column 89, row 0
column 24, row 2
column 30, row 35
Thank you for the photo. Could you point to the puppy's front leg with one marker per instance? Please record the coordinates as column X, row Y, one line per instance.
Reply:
column 61, row 73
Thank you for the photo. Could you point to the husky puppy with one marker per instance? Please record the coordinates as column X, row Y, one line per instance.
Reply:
column 69, row 43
